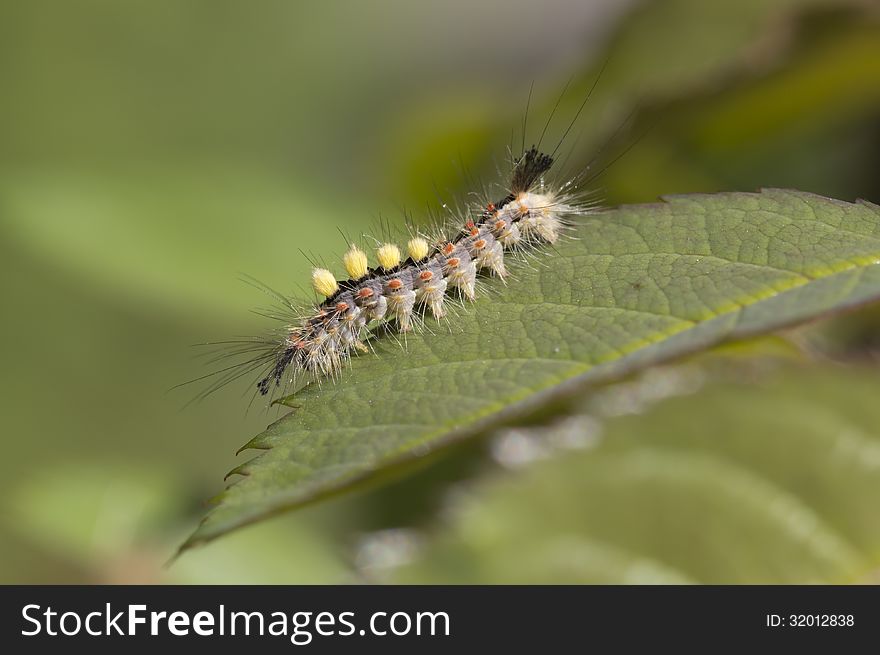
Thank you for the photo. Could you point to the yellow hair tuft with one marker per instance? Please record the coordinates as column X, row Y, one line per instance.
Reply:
column 418, row 248
column 323, row 282
column 355, row 261
column 388, row 255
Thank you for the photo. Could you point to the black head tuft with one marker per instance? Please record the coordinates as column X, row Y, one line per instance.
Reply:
column 528, row 169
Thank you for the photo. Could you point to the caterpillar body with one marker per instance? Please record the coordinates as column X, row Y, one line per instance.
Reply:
column 398, row 290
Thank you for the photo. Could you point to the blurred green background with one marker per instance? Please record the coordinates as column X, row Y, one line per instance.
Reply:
column 150, row 151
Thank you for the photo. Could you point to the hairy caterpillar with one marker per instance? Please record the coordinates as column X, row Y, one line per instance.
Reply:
column 408, row 284
column 395, row 289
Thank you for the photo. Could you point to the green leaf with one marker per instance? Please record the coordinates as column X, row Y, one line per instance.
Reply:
column 637, row 285
column 775, row 481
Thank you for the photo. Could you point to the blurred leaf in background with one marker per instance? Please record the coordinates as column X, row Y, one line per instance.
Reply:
column 151, row 151
column 771, row 478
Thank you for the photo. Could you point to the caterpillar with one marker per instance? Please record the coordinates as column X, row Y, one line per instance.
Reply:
column 393, row 291
column 407, row 284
